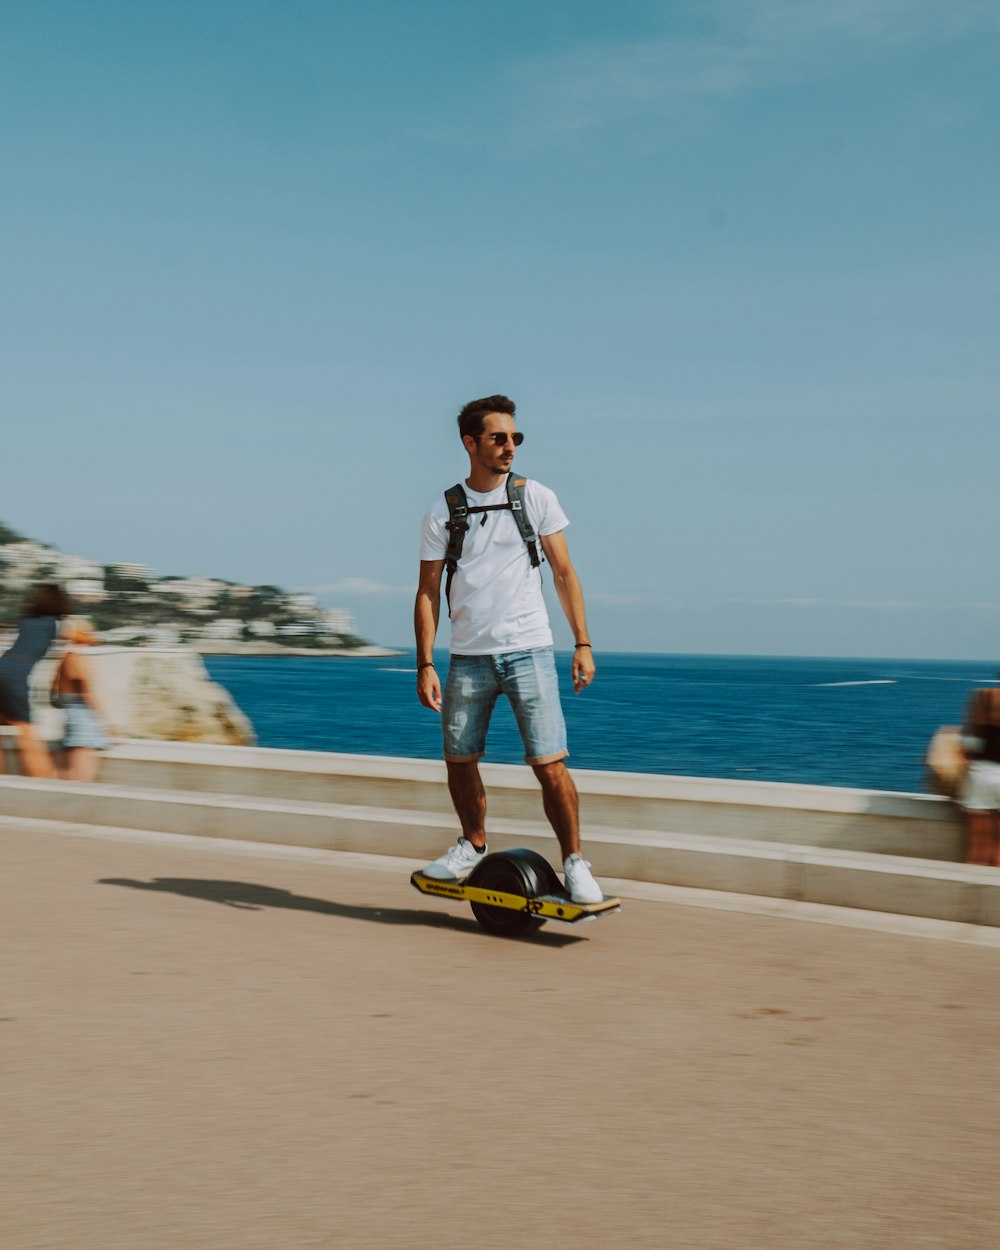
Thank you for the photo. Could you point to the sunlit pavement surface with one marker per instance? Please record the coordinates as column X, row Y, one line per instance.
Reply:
column 210, row 1048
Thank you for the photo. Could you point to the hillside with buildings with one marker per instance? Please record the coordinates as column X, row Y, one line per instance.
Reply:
column 131, row 605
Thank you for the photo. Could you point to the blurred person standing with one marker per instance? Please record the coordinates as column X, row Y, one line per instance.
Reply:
column 36, row 633
column 979, row 796
column 85, row 733
column 485, row 535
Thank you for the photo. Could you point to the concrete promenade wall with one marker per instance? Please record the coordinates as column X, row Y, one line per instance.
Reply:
column 874, row 850
column 873, row 821
column 876, row 821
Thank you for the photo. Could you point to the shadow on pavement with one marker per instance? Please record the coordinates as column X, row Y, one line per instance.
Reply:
column 249, row 897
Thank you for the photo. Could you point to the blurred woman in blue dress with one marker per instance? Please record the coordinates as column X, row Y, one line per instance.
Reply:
column 46, row 609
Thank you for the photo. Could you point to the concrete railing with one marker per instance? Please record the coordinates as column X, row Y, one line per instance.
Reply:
column 876, row 850
column 882, row 822
column 873, row 821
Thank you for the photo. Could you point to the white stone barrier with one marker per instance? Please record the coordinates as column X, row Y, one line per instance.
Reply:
column 869, row 821
column 877, row 821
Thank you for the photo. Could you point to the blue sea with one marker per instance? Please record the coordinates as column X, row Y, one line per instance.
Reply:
column 833, row 722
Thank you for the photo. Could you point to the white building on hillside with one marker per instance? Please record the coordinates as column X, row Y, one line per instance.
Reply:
column 196, row 592
column 76, row 568
column 199, row 587
column 338, row 621
column 300, row 603
column 27, row 561
column 86, row 589
column 223, row 628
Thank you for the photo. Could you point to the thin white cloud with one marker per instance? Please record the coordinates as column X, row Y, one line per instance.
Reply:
column 357, row 586
column 741, row 46
column 890, row 605
column 625, row 599
column 810, row 603
column 878, row 604
column 890, row 23
column 629, row 599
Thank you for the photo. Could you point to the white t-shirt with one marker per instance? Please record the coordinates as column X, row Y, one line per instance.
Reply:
column 496, row 596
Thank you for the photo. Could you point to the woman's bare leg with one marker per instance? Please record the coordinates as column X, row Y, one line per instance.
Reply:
column 35, row 759
column 980, row 846
column 82, row 764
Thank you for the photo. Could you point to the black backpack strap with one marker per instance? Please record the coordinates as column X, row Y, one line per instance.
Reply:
column 457, row 526
column 515, row 497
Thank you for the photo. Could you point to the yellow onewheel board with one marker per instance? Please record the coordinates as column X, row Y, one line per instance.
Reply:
column 512, row 892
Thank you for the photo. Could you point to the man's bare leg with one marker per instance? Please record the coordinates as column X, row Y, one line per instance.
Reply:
column 469, row 797
column 561, row 803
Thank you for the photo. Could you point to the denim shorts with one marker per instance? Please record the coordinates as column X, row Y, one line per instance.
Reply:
column 83, row 729
column 528, row 679
column 980, row 790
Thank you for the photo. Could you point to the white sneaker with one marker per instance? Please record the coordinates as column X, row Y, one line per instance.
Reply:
column 457, row 862
column 580, row 881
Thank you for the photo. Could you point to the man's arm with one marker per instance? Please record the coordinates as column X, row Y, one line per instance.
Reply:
column 426, row 611
column 570, row 594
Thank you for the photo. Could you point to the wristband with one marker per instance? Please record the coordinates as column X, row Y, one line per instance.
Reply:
column 582, row 644
column 426, row 664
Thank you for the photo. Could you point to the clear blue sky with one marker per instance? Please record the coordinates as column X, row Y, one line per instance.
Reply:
column 736, row 261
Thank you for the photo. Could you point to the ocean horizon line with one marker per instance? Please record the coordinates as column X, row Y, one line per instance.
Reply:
column 407, row 649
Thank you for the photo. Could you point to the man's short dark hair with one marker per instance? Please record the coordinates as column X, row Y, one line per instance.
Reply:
column 470, row 419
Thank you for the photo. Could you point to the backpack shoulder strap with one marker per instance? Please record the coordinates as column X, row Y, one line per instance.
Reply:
column 457, row 526
column 515, row 497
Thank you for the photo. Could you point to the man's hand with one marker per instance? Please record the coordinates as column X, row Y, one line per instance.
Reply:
column 429, row 688
column 425, row 623
column 571, row 598
column 584, row 668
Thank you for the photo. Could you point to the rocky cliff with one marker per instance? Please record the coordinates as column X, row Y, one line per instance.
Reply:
column 152, row 692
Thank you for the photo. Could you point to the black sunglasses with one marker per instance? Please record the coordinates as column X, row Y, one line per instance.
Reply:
column 500, row 440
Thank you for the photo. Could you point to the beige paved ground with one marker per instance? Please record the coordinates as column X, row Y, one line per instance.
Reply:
column 207, row 1049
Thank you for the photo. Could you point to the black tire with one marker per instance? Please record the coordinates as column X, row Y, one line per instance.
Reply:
column 506, row 878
